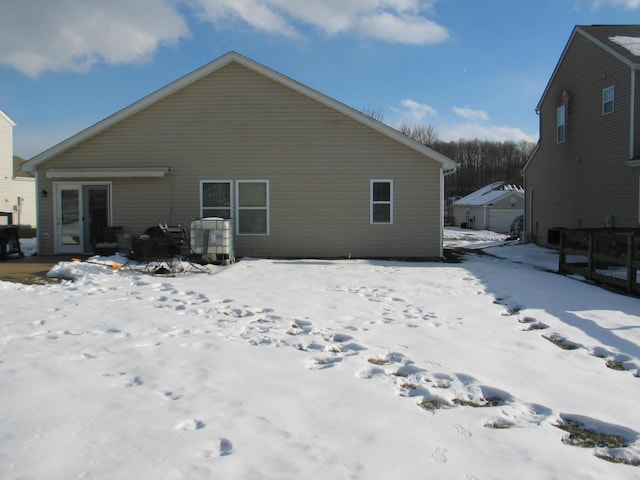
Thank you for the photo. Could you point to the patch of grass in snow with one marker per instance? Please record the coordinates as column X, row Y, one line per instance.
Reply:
column 497, row 424
column 409, row 386
column 400, row 373
column 583, row 437
column 512, row 311
column 431, row 405
column 535, row 326
column 527, row 320
column 31, row 280
column 561, row 342
column 605, row 455
column 615, row 364
column 378, row 361
column 483, row 402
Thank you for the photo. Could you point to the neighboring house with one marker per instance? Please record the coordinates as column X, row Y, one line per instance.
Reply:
column 584, row 171
column 493, row 207
column 300, row 174
column 17, row 188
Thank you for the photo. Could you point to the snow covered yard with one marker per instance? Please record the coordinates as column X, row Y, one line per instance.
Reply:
column 317, row 369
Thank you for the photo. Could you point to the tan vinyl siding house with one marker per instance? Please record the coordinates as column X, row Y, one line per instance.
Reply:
column 589, row 178
column 297, row 170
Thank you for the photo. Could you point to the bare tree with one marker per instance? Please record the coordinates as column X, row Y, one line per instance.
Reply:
column 374, row 112
column 424, row 134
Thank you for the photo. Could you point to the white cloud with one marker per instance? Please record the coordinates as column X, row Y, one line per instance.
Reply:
column 413, row 111
column 43, row 35
column 628, row 4
column 258, row 14
column 394, row 21
column 485, row 132
column 406, row 29
column 470, row 113
column 38, row 36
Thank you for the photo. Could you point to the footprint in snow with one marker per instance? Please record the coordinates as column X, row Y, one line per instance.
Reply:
column 222, row 448
column 191, row 424
column 439, row 455
column 460, row 430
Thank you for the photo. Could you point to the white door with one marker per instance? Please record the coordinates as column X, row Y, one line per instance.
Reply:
column 69, row 226
column 82, row 211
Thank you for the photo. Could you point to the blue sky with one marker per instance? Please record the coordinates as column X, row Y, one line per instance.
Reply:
column 470, row 68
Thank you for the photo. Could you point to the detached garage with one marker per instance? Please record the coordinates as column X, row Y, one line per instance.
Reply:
column 493, row 208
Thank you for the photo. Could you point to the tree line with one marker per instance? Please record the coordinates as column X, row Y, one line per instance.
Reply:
column 480, row 162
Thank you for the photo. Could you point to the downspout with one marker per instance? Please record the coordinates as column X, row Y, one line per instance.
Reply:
column 441, row 252
column 38, row 197
column 633, row 119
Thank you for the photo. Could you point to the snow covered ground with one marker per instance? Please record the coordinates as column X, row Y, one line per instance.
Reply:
column 315, row 369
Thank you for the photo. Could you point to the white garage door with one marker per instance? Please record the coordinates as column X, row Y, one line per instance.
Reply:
column 500, row 220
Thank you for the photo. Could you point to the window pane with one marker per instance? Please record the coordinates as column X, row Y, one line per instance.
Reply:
column 381, row 213
column 560, row 125
column 381, row 192
column 252, row 221
column 216, row 195
column 252, row 194
column 607, row 100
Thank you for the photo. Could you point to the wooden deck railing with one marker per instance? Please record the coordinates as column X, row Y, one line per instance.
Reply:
column 607, row 255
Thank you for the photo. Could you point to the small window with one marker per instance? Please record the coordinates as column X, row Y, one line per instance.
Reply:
column 252, row 207
column 381, row 201
column 561, row 123
column 216, row 198
column 608, row 97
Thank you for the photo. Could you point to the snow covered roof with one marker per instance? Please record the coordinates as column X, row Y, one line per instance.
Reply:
column 630, row 43
column 489, row 194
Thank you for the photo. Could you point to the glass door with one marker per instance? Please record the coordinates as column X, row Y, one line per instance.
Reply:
column 69, row 222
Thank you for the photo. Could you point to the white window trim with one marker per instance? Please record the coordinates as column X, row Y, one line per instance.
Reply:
column 202, row 207
column 563, row 124
column 611, row 88
column 238, row 208
column 372, row 202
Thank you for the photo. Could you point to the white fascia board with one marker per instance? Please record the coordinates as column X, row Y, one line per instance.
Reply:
column 7, row 118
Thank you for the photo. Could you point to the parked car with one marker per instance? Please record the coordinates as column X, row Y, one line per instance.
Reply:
column 516, row 227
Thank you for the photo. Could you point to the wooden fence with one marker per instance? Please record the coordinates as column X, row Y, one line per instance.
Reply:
column 607, row 255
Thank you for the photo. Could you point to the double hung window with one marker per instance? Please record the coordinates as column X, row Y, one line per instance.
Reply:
column 608, row 97
column 561, row 123
column 246, row 201
column 252, row 207
column 381, row 201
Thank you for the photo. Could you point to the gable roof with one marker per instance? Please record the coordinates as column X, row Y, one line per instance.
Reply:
column 17, row 170
column 7, row 118
column 618, row 40
column 489, row 194
column 445, row 162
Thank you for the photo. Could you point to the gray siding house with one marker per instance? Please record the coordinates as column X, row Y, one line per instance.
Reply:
column 585, row 171
column 300, row 174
